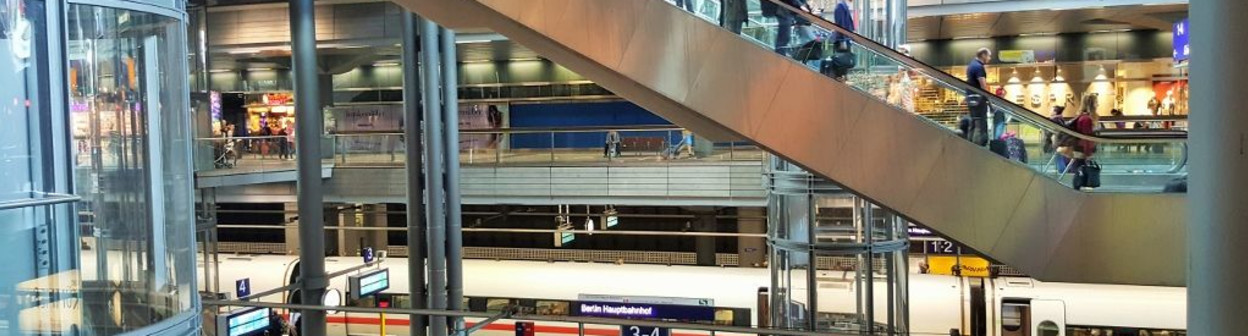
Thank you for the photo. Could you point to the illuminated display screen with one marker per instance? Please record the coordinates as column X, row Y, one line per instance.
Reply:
column 369, row 284
column 250, row 322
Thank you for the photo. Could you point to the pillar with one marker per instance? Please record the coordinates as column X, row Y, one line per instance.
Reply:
column 751, row 251
column 292, row 231
column 413, row 170
column 308, row 129
column 1217, row 238
column 704, row 246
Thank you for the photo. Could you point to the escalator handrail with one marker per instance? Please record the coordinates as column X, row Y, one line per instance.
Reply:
column 951, row 81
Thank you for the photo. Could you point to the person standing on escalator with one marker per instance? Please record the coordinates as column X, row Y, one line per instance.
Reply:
column 977, row 103
column 686, row 4
column 732, row 15
column 785, row 20
column 1083, row 149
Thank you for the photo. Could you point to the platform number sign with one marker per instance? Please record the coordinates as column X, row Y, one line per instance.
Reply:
column 368, row 255
column 242, row 287
column 643, row 331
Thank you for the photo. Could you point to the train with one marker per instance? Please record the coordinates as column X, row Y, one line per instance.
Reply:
column 938, row 304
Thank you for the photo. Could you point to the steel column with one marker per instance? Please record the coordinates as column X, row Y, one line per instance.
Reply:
column 308, row 138
column 1218, row 187
column 435, row 204
column 454, row 216
column 415, row 179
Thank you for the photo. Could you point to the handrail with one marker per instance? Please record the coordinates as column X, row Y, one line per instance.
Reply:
column 39, row 199
column 537, row 130
column 950, row 80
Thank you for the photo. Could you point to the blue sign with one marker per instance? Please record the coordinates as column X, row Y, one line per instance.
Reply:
column 645, row 311
column 1182, row 47
column 627, row 330
column 242, row 287
column 368, row 255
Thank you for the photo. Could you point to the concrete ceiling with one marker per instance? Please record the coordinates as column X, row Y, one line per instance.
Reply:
column 1134, row 17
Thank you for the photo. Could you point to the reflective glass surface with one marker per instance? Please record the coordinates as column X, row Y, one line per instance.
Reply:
column 129, row 120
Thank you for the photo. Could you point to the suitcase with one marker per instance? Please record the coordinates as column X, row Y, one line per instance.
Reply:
column 999, row 146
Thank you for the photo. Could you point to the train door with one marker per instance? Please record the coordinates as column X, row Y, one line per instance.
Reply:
column 1048, row 317
column 1026, row 317
column 1015, row 317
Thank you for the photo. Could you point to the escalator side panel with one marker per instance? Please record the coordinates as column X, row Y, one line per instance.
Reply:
column 722, row 86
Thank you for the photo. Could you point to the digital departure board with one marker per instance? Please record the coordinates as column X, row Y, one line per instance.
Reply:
column 246, row 322
column 368, row 284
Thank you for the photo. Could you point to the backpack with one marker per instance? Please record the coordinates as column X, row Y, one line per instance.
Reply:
column 1017, row 149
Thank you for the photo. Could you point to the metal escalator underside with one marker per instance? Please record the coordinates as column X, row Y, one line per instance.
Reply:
column 725, row 87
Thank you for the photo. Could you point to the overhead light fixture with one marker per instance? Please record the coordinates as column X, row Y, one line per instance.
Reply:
column 1058, row 78
column 472, row 41
column 1101, row 76
column 1037, row 34
column 386, row 64
column 220, row 70
column 476, row 61
column 525, row 59
column 259, row 69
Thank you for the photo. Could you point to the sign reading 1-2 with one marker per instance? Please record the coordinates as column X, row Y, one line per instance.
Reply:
column 627, row 330
column 242, row 287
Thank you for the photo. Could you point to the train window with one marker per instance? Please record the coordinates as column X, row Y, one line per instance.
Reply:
column 1048, row 328
column 724, row 316
column 1012, row 316
column 556, row 308
column 495, row 305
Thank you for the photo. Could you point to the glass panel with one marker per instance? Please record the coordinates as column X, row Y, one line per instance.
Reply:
column 1137, row 161
column 128, row 86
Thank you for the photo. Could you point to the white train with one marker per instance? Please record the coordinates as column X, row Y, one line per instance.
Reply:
column 990, row 307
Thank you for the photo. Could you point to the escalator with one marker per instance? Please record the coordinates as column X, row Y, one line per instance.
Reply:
column 727, row 86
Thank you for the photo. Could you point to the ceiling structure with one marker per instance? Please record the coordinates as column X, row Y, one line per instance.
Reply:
column 483, row 46
column 979, row 25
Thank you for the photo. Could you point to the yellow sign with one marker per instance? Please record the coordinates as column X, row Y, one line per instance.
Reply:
column 1017, row 56
column 961, row 266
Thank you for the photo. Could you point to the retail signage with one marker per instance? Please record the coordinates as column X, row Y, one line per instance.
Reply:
column 1182, row 47
column 645, row 311
column 629, row 330
column 663, row 300
column 244, row 322
column 367, row 284
column 1017, row 56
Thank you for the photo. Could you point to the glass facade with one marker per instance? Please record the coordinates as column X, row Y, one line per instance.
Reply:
column 95, row 181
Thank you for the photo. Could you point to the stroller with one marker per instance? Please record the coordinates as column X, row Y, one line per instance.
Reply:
column 227, row 156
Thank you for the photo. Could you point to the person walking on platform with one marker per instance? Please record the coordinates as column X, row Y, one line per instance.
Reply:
column 732, row 15
column 977, row 76
column 611, row 148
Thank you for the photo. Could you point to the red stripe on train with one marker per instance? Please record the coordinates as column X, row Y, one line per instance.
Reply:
column 493, row 326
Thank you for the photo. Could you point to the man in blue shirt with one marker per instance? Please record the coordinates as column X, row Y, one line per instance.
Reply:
column 977, row 76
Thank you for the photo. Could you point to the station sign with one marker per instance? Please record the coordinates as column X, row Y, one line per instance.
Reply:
column 645, row 311
column 242, row 288
column 627, row 330
column 1182, row 39
column 244, row 322
column 368, row 255
column 368, row 284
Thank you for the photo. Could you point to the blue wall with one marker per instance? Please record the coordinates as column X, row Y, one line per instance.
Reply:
column 580, row 115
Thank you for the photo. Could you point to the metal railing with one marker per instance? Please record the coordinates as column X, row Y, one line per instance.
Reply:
column 633, row 145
